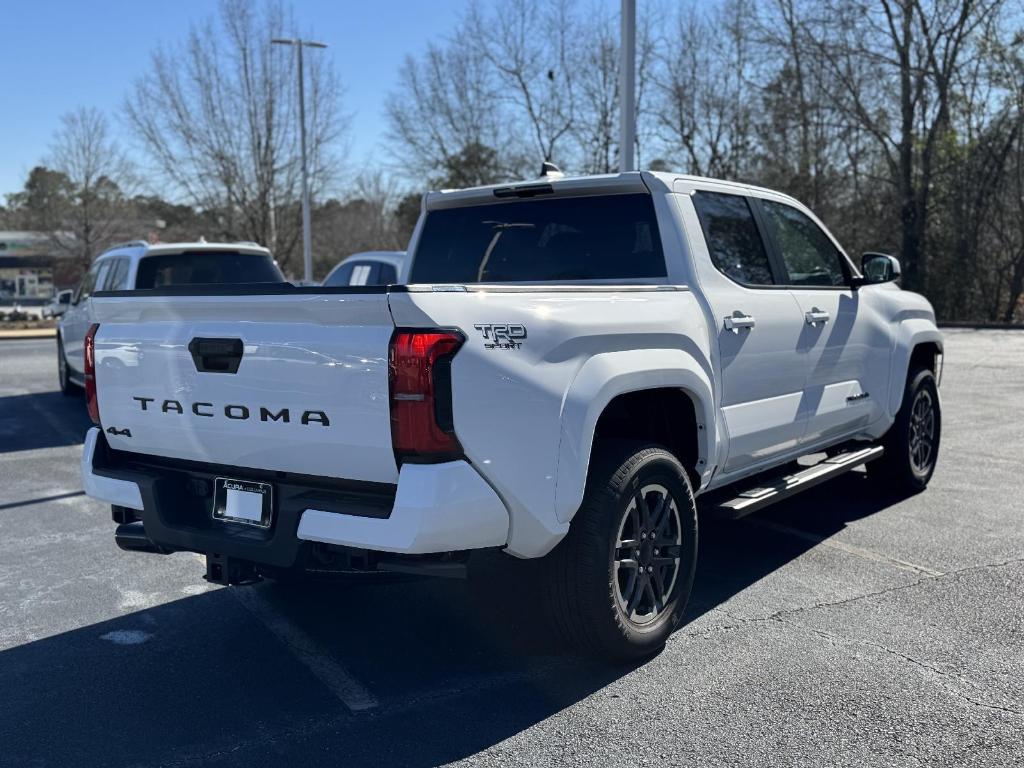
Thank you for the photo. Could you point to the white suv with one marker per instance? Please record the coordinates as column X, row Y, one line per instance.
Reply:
column 139, row 265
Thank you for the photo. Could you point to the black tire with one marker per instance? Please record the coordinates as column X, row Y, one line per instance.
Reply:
column 912, row 442
column 588, row 580
column 68, row 388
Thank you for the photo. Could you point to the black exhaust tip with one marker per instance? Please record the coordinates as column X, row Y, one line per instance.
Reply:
column 132, row 537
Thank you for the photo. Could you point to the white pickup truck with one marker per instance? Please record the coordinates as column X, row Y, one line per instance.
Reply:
column 569, row 368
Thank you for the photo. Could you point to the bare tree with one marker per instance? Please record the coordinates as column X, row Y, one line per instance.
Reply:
column 446, row 115
column 902, row 54
column 595, row 125
column 94, row 211
column 217, row 118
column 1006, row 220
column 596, row 129
column 705, row 101
column 897, row 120
column 530, row 46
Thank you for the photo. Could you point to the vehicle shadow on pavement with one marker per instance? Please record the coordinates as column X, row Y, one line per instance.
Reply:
column 41, row 420
column 737, row 553
column 201, row 678
column 454, row 667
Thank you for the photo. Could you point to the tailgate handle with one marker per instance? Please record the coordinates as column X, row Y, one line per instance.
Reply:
column 216, row 355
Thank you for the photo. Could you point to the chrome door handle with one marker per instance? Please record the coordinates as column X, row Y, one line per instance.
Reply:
column 816, row 316
column 738, row 320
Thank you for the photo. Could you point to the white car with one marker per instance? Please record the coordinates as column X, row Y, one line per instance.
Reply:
column 59, row 304
column 367, row 268
column 572, row 367
column 138, row 265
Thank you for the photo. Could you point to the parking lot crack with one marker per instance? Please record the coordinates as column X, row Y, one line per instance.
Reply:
column 950, row 576
column 951, row 682
column 789, row 612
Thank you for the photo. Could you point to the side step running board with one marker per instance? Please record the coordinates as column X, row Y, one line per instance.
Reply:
column 776, row 489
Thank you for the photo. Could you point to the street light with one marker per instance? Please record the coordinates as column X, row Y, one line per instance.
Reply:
column 307, row 244
column 627, row 86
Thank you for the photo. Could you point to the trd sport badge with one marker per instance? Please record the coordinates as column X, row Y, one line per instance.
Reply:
column 502, row 335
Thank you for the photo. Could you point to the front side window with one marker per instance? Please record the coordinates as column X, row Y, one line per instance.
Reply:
column 810, row 257
column 96, row 276
column 733, row 239
column 85, row 287
column 599, row 237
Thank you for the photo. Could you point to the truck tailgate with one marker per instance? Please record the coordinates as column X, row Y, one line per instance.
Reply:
column 309, row 394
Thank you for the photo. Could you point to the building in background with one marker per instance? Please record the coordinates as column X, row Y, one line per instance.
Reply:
column 27, row 262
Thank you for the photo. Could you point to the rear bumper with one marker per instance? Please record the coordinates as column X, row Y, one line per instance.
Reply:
column 434, row 508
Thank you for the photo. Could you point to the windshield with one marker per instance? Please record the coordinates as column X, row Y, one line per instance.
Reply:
column 199, row 267
column 606, row 237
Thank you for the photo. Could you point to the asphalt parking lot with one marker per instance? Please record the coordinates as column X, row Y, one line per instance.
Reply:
column 844, row 627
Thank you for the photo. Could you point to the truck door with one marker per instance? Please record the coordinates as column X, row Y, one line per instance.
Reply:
column 759, row 325
column 845, row 343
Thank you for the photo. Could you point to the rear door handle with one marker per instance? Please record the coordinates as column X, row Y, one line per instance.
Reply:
column 738, row 320
column 816, row 316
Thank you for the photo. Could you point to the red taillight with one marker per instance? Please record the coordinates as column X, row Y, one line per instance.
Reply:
column 422, row 427
column 90, row 374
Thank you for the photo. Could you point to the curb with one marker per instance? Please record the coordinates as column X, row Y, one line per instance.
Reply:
column 984, row 326
column 34, row 333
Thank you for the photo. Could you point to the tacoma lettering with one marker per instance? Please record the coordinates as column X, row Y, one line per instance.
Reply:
column 235, row 411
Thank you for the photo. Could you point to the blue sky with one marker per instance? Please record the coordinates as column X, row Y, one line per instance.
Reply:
column 56, row 55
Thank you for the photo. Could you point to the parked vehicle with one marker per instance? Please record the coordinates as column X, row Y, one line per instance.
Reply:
column 368, row 268
column 58, row 304
column 572, row 366
column 139, row 265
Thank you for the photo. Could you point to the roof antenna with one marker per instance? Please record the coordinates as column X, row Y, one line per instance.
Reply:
column 549, row 170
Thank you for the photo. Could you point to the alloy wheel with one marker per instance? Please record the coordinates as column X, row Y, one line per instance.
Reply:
column 922, row 432
column 647, row 554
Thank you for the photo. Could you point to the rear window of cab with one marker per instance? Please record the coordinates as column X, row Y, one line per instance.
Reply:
column 206, row 267
column 604, row 237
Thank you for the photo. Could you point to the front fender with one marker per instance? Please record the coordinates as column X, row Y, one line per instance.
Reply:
column 909, row 333
column 606, row 376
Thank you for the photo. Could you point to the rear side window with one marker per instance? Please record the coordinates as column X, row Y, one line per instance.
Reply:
column 733, row 239
column 205, row 267
column 363, row 273
column 117, row 276
column 608, row 237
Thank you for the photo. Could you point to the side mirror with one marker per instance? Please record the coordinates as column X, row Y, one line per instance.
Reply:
column 879, row 268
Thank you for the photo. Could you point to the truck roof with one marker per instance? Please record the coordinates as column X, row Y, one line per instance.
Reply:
column 141, row 248
column 625, row 182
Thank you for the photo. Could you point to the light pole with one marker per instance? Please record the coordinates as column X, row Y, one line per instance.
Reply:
column 307, row 244
column 627, row 86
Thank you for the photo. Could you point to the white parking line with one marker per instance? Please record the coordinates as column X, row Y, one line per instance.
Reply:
column 849, row 549
column 307, row 650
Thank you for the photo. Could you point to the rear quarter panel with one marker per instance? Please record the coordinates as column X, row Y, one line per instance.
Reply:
column 525, row 413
